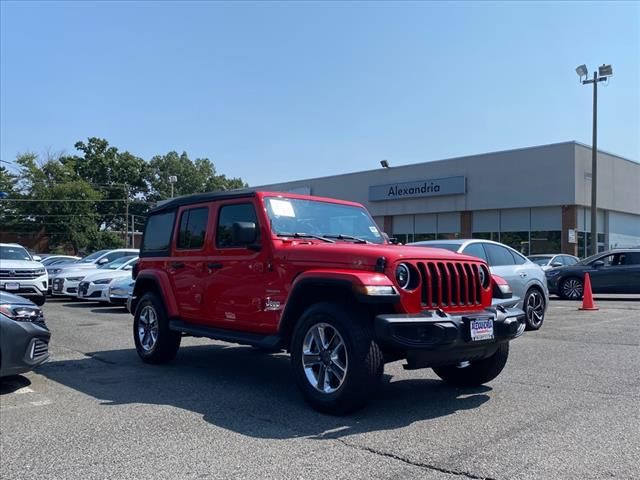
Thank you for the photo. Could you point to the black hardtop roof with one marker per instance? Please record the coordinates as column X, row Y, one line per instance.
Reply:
column 201, row 197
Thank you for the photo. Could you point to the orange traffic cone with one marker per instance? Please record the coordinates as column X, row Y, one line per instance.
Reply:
column 587, row 296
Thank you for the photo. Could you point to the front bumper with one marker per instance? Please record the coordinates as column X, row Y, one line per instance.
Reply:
column 91, row 291
column 28, row 288
column 62, row 287
column 436, row 338
column 24, row 346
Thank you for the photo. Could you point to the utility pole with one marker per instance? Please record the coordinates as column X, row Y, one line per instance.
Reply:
column 603, row 74
column 126, row 215
column 133, row 231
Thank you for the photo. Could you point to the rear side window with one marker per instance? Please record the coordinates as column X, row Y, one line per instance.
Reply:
column 498, row 256
column 230, row 214
column 193, row 228
column 157, row 232
column 476, row 250
column 517, row 258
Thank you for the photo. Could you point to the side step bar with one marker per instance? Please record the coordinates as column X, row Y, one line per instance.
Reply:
column 268, row 342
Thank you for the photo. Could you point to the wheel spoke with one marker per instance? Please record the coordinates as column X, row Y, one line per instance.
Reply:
column 310, row 359
column 321, row 377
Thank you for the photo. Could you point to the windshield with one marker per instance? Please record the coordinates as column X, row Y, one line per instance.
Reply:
column 93, row 257
column 116, row 263
column 291, row 216
column 590, row 259
column 14, row 253
column 542, row 261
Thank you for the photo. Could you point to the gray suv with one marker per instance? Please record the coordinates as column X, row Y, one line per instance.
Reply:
column 526, row 279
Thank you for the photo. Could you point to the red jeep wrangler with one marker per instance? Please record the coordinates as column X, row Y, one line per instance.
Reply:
column 316, row 277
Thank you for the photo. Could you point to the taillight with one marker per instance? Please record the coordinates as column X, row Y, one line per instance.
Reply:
column 501, row 288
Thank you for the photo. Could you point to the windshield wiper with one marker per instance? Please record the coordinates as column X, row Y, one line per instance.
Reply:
column 306, row 235
column 341, row 236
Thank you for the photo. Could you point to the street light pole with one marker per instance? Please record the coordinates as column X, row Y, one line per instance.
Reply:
column 603, row 74
column 172, row 179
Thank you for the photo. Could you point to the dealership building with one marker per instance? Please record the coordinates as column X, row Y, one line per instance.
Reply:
column 537, row 199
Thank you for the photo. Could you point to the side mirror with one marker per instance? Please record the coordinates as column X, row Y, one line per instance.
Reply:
column 37, row 258
column 557, row 264
column 244, row 234
column 102, row 261
column 597, row 264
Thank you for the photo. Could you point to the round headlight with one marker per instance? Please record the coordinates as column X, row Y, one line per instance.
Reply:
column 403, row 275
column 485, row 276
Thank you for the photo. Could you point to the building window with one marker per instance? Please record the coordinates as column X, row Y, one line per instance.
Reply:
column 546, row 242
column 423, row 237
column 495, row 236
column 519, row 241
column 584, row 244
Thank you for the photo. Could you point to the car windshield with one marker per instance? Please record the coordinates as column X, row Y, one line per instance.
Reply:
column 116, row 263
column 540, row 260
column 14, row 253
column 93, row 257
column 454, row 247
column 590, row 259
column 314, row 218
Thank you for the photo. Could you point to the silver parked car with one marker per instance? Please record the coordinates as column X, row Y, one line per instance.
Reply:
column 549, row 261
column 526, row 279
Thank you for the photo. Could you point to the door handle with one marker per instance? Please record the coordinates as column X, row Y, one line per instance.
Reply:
column 177, row 265
column 214, row 266
column 523, row 274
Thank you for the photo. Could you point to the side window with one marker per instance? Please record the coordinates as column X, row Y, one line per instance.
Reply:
column 498, row 256
column 157, row 232
column 608, row 260
column 230, row 214
column 517, row 258
column 193, row 228
column 476, row 250
column 569, row 260
column 633, row 258
column 115, row 255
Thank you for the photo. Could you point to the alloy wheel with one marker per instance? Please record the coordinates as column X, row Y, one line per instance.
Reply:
column 148, row 328
column 324, row 358
column 572, row 288
column 535, row 308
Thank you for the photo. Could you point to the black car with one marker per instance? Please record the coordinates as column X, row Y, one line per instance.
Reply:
column 615, row 271
column 24, row 336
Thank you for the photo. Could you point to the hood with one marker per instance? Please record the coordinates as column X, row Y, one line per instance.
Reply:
column 20, row 264
column 364, row 255
column 75, row 272
column 102, row 274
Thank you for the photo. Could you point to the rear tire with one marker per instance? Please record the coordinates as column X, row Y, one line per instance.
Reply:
column 534, row 306
column 336, row 363
column 477, row 372
column 155, row 342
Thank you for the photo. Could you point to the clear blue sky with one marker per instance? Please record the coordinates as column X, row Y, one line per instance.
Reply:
column 280, row 91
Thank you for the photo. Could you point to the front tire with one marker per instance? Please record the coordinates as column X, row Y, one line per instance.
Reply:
column 571, row 288
column 475, row 373
column 335, row 360
column 155, row 342
column 534, row 307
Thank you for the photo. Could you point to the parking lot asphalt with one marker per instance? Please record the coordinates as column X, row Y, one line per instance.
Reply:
column 565, row 407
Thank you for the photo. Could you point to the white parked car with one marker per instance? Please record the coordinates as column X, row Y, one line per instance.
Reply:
column 67, row 282
column 526, row 279
column 22, row 274
column 550, row 261
column 95, row 286
column 73, row 272
column 120, row 290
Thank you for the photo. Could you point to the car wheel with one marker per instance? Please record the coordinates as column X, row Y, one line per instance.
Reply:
column 336, row 362
column 571, row 288
column 473, row 374
column 155, row 342
column 534, row 308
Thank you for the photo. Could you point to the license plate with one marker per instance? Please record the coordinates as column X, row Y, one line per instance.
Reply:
column 481, row 329
column 12, row 286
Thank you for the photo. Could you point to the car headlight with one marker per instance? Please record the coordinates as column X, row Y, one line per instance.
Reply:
column 104, row 281
column 54, row 271
column 21, row 313
column 40, row 272
column 75, row 279
column 403, row 275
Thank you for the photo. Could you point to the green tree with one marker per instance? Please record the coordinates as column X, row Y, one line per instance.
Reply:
column 193, row 176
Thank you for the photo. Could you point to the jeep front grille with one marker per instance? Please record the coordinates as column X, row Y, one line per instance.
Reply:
column 449, row 284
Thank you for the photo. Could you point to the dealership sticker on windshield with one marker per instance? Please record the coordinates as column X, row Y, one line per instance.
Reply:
column 481, row 329
column 282, row 208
